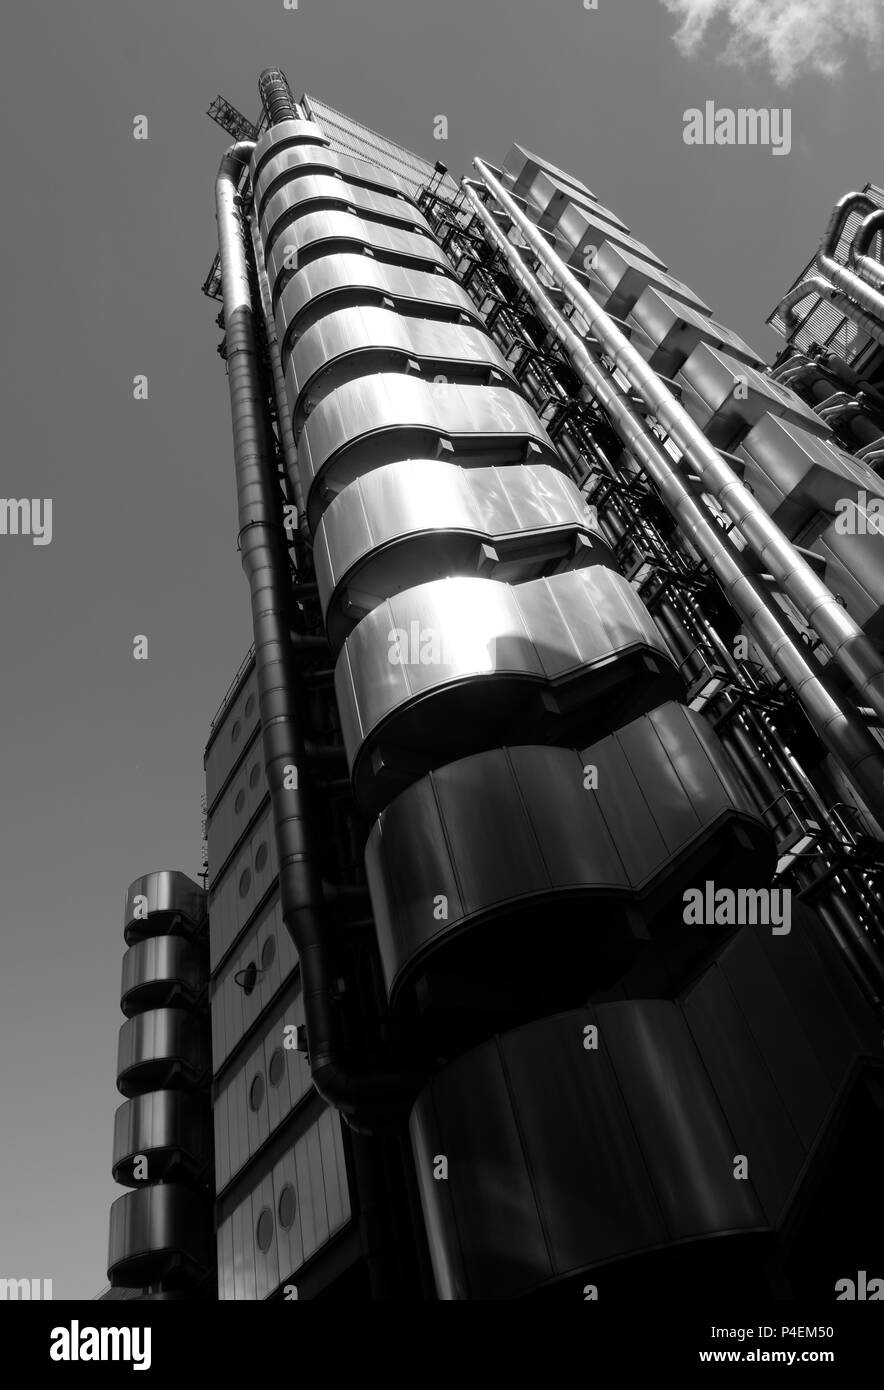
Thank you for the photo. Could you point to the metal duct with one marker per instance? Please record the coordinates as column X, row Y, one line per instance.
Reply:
column 837, row 725
column 846, row 641
column 276, row 96
column 815, row 284
column 265, row 561
column 865, row 265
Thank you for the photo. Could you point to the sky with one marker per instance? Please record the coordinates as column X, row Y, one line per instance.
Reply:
column 106, row 242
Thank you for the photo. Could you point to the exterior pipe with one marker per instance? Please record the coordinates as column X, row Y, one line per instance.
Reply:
column 815, row 284
column 265, row 561
column 865, row 265
column 837, row 725
column 276, row 96
column 848, row 280
column 842, row 635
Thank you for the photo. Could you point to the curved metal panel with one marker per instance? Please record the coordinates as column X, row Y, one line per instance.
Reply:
column 794, row 474
column 314, row 192
column 329, row 232
column 164, row 901
column 516, row 843
column 568, row 1160
column 170, row 1129
column 292, row 163
column 161, row 971
column 380, row 419
column 671, row 331
column 157, row 1234
column 357, row 341
column 162, row 1048
column 727, row 397
column 337, row 281
column 282, row 137
column 422, row 519
column 451, row 667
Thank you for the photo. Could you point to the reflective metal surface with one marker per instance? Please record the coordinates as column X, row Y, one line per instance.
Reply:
column 623, row 278
column 387, row 417
column 458, row 665
column 165, row 901
column 160, row 1233
column 172, row 1130
column 293, row 163
column 519, row 846
column 284, row 136
column 670, row 332
column 422, row 519
column 853, row 549
column 726, row 397
column 522, row 167
column 543, row 1187
column 331, row 232
column 337, row 281
column 159, row 972
column 583, row 233
column 551, row 196
column 357, row 341
column 314, row 192
column 794, row 473
column 164, row 1047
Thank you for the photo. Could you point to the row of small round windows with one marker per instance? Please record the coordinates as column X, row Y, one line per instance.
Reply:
column 262, row 854
column 240, row 798
column 285, row 1211
column 248, row 978
column 236, row 726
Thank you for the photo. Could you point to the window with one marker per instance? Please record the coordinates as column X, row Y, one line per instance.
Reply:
column 245, row 882
column 240, row 801
column 235, row 731
column 261, row 857
column 256, row 1091
column 249, row 706
column 249, row 977
column 255, row 776
column 264, row 1230
column 276, row 1070
column 268, row 953
column 287, row 1206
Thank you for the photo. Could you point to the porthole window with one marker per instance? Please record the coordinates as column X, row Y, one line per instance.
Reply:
column 240, row 801
column 261, row 857
column 287, row 1206
column 249, row 977
column 235, row 731
column 256, row 1091
column 264, row 1230
column 268, row 953
column 276, row 1070
column 245, row 882
column 250, row 705
column 255, row 776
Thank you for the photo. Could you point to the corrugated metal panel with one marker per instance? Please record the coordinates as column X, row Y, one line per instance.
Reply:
column 234, row 897
column 351, row 137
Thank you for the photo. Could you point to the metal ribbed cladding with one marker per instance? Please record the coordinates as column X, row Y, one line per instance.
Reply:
column 669, row 332
column 387, row 417
column 340, row 280
column 287, row 165
column 166, row 901
column 327, row 233
column 162, row 1048
column 452, row 667
column 284, row 136
column 162, row 971
column 553, row 888
column 160, row 1234
column 172, row 1130
column 318, row 192
column 357, row 341
column 422, row 519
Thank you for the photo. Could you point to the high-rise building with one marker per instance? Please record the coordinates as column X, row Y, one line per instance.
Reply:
column 540, row 950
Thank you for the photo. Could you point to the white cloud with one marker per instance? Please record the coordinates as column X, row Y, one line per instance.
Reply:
column 792, row 36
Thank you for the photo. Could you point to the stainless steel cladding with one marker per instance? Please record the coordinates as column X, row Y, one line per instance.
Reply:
column 282, row 137
column 340, row 280
column 669, row 332
column 384, row 418
column 166, row 901
column 536, row 874
column 161, row 1048
column 161, row 971
column 618, row 280
column 458, row 665
column 324, row 233
column 169, row 1130
column 161, row 1233
column 318, row 192
column 356, row 341
column 726, row 397
column 290, row 164
column 422, row 519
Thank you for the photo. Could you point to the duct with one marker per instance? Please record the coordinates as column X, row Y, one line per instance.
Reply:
column 276, row 96
column 849, row 280
column 865, row 265
column 673, row 331
column 815, row 284
column 843, row 637
column 709, row 382
column 837, row 725
column 265, row 561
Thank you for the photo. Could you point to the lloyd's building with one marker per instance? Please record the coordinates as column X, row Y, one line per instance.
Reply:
column 540, row 953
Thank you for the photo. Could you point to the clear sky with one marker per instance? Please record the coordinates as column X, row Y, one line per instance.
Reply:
column 106, row 241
